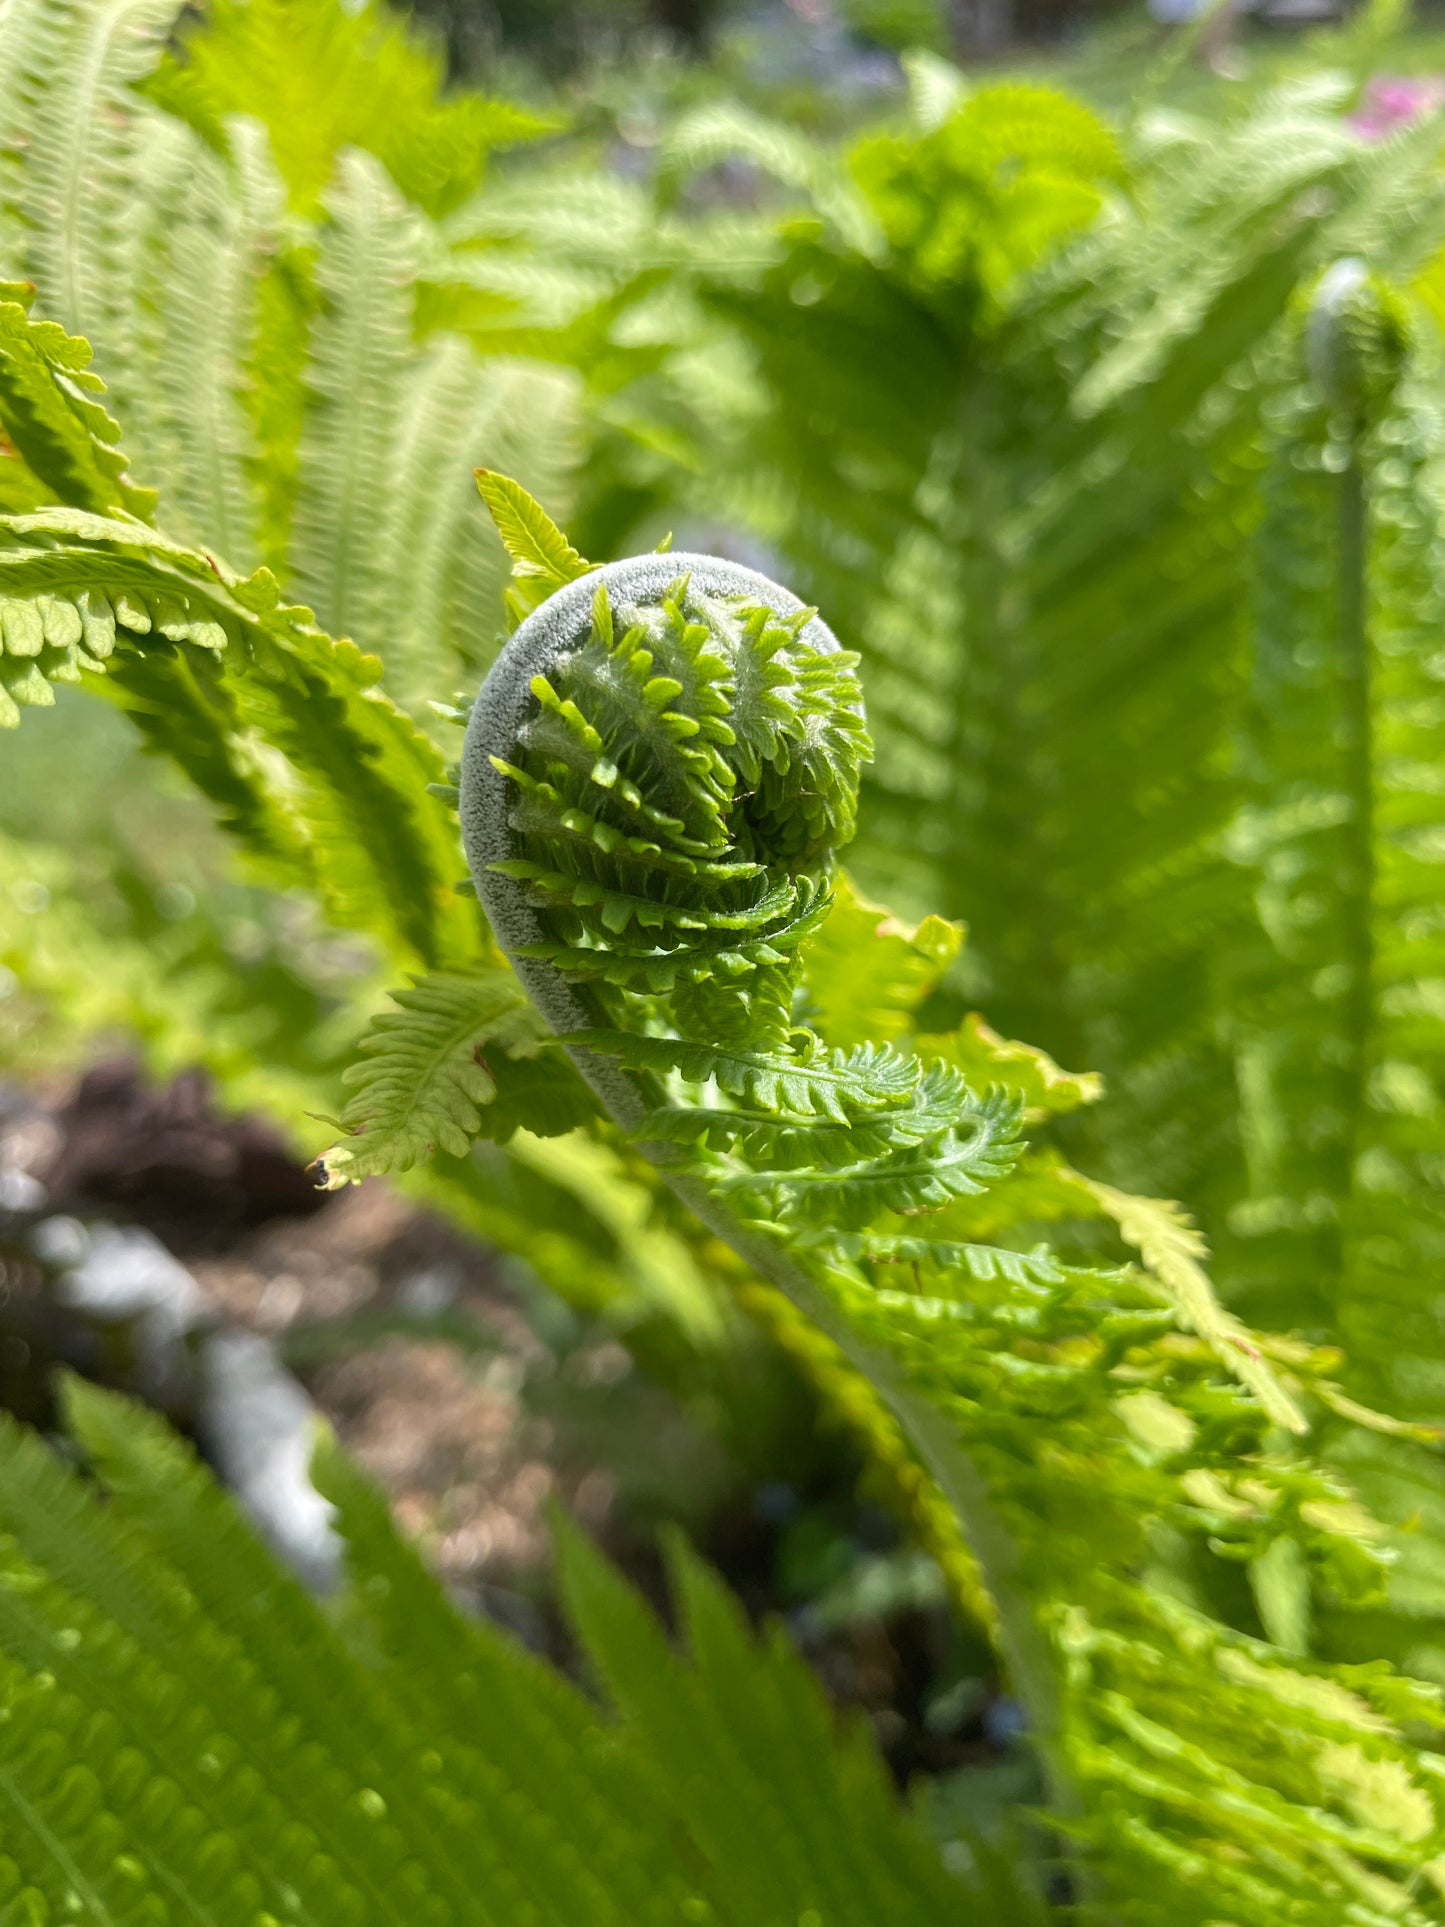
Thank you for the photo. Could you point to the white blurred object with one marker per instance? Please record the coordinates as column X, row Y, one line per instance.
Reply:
column 253, row 1419
column 259, row 1427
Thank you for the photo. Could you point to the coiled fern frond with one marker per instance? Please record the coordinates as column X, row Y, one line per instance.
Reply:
column 657, row 781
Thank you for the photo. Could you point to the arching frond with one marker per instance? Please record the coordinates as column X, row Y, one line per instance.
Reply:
column 346, row 809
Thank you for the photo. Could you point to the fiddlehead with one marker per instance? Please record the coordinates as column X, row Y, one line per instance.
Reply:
column 658, row 776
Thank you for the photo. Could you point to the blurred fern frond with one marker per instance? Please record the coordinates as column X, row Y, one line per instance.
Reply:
column 252, row 276
column 1048, row 495
column 241, row 1755
column 1171, row 580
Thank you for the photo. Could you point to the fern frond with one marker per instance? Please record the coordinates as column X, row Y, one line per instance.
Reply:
column 731, row 132
column 1006, row 174
column 979, row 1146
column 322, row 77
column 1031, row 1074
column 1137, row 404
column 56, row 621
column 424, row 1075
column 103, row 958
column 360, row 350
column 983, row 1263
column 346, row 811
column 236, row 1749
column 839, row 1087
column 164, row 1690
column 871, row 972
column 206, row 248
column 444, row 567
column 51, row 417
column 819, row 1826
column 540, row 553
column 1171, row 1249
column 77, row 117
column 938, row 1102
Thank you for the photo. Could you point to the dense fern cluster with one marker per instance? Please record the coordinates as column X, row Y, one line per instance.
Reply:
column 1069, row 427
column 1153, row 507
column 1110, row 529
column 974, row 1349
column 188, row 1735
column 244, row 246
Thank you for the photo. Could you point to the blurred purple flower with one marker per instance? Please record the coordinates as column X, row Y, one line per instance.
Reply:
column 1390, row 101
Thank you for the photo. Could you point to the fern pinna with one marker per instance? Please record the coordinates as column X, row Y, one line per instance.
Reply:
column 658, row 777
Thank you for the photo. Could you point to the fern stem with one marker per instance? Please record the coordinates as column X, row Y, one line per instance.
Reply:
column 1357, row 756
column 1352, row 358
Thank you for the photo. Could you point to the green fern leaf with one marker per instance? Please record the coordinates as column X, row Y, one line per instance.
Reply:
column 980, row 1147
column 1171, row 1248
column 424, row 1076
column 359, row 350
column 867, row 973
column 444, row 567
column 542, row 557
column 321, row 78
column 187, row 1734
column 49, row 413
column 351, row 815
column 69, row 106
column 805, row 1820
column 986, row 1058
column 982, row 1263
column 729, row 131
column 839, row 1086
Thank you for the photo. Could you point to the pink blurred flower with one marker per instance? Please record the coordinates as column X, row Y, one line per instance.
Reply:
column 1390, row 101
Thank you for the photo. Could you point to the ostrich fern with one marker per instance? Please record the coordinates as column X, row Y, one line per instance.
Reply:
column 658, row 778
column 689, row 1015
column 623, row 796
column 1158, row 574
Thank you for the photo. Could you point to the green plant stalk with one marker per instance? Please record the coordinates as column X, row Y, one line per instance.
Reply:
column 1357, row 756
column 548, row 634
